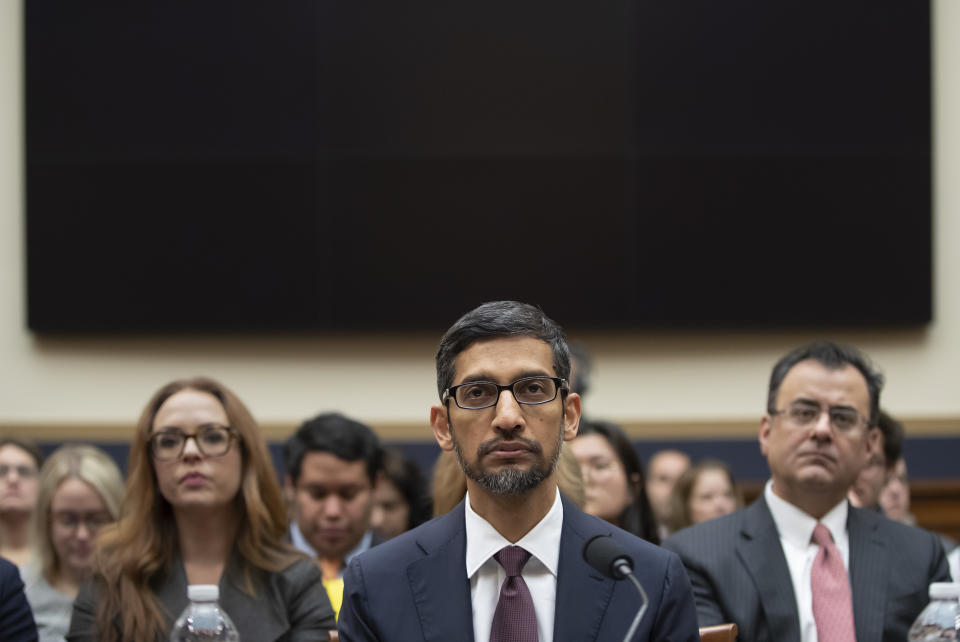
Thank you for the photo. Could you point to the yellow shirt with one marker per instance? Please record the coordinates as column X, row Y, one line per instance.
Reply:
column 334, row 589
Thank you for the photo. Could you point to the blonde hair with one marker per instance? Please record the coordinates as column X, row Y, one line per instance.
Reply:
column 450, row 484
column 683, row 489
column 142, row 544
column 570, row 477
column 91, row 466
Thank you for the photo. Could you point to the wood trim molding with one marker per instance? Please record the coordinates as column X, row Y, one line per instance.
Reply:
column 692, row 430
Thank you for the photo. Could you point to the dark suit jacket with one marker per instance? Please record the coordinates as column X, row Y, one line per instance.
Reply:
column 415, row 587
column 16, row 618
column 291, row 605
column 740, row 574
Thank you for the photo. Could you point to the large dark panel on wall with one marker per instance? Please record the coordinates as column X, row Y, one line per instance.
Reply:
column 353, row 165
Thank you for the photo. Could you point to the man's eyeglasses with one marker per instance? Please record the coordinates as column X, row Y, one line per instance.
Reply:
column 804, row 414
column 212, row 441
column 70, row 521
column 531, row 391
column 23, row 472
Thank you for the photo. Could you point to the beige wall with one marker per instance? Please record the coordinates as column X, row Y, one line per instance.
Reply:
column 640, row 378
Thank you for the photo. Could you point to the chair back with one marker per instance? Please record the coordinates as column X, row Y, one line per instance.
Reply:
column 718, row 633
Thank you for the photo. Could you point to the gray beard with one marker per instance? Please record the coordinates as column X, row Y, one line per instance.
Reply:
column 508, row 481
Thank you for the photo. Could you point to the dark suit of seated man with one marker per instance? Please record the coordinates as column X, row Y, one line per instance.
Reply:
column 759, row 568
column 16, row 618
column 506, row 411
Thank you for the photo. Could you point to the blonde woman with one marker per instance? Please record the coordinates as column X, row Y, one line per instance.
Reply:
column 203, row 506
column 703, row 492
column 79, row 492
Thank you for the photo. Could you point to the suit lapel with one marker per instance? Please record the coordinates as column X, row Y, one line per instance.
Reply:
column 439, row 582
column 582, row 593
column 867, row 575
column 761, row 553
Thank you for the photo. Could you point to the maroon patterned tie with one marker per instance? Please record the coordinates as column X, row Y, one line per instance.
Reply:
column 830, row 587
column 514, row 620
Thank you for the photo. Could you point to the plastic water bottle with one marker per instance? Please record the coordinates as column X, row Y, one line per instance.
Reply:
column 941, row 619
column 203, row 620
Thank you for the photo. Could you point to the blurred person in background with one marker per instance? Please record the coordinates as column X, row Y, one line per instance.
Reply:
column 20, row 463
column 663, row 471
column 894, row 502
column 79, row 491
column 613, row 479
column 869, row 485
column 449, row 484
column 581, row 369
column 202, row 506
column 705, row 491
column 332, row 463
column 400, row 499
column 895, row 496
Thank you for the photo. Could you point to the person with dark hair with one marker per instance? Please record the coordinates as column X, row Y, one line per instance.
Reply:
column 20, row 463
column 613, row 479
column 581, row 369
column 400, row 500
column 507, row 562
column 202, row 506
column 16, row 619
column 332, row 465
column 800, row 563
column 866, row 490
column 895, row 497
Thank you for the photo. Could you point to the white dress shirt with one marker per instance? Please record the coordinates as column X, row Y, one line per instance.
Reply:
column 796, row 532
column 540, row 572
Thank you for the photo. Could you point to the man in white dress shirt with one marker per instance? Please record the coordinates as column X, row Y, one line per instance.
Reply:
column 505, row 410
column 801, row 564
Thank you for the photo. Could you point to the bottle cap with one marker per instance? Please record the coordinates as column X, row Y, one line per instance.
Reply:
column 945, row 590
column 209, row 592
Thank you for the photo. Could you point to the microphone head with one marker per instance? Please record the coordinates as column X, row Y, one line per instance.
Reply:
column 605, row 555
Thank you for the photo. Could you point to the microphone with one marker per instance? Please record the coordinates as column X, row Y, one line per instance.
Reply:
column 606, row 556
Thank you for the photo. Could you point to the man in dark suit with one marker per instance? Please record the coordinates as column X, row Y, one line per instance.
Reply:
column 16, row 618
column 801, row 564
column 507, row 563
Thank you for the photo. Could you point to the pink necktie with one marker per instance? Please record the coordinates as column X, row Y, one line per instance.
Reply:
column 514, row 620
column 830, row 587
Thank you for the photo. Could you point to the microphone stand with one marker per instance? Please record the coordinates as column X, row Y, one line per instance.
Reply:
column 623, row 568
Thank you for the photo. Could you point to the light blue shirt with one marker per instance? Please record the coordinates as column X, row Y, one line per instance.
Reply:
column 300, row 543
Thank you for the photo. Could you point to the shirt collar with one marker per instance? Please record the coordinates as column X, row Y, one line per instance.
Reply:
column 300, row 542
column 542, row 541
column 362, row 546
column 796, row 526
